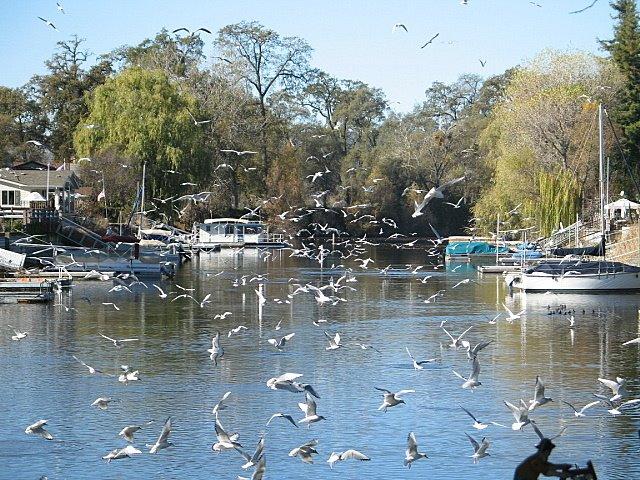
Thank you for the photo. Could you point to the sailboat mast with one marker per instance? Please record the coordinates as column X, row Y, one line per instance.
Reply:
column 144, row 174
column 601, row 169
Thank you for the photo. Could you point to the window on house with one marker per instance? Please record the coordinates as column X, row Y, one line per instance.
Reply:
column 10, row 197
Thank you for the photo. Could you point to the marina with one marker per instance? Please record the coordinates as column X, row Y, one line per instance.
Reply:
column 399, row 243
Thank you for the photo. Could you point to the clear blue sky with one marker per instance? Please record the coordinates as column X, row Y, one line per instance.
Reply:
column 351, row 38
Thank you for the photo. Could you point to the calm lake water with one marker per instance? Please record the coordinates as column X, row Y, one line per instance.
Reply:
column 40, row 380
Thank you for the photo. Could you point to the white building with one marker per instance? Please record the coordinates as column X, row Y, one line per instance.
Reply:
column 22, row 188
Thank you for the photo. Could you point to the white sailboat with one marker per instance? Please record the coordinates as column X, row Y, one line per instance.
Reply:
column 580, row 275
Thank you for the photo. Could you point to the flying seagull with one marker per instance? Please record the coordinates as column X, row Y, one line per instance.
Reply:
column 431, row 40
column 412, row 454
column 309, row 409
column 120, row 453
column 521, row 415
column 346, row 455
column 216, row 351
column 435, row 192
column 398, row 26
column 391, row 399
column 580, row 413
column 239, row 153
column 252, row 460
column 538, row 395
column 38, row 429
column 305, row 451
column 479, row 449
column 119, row 343
column 471, row 382
column 184, row 29
column 478, row 425
column 279, row 344
column 282, row 415
column 224, row 440
column 162, row 439
column 419, row 365
column 50, row 23
column 128, row 431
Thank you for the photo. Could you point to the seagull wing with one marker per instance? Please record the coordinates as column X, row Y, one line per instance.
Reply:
column 288, row 377
column 574, row 408
column 356, row 455
column 412, row 444
column 476, row 445
column 469, row 413
column 610, row 384
column 166, row 430
column 403, row 392
column 588, row 405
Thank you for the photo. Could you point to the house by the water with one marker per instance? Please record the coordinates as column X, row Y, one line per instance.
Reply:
column 35, row 185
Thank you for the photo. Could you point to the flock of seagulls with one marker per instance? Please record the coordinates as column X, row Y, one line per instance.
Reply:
column 616, row 403
column 314, row 247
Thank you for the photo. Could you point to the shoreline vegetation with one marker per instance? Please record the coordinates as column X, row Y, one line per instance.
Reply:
column 272, row 134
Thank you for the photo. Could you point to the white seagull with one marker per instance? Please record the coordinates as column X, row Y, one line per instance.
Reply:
column 279, row 344
column 412, row 454
column 38, row 429
column 346, row 455
column 162, row 439
column 391, row 399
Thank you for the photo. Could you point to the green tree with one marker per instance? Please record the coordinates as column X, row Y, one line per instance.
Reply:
column 61, row 93
column 143, row 115
column 21, row 119
column 624, row 49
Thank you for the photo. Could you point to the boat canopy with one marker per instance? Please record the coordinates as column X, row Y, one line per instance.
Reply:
column 577, row 267
column 473, row 248
column 595, row 251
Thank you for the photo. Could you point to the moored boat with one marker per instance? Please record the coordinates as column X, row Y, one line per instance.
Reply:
column 234, row 232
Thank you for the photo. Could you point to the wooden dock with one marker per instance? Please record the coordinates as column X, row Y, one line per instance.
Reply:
column 31, row 290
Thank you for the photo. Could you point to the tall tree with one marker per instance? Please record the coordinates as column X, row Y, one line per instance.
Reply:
column 21, row 119
column 61, row 93
column 144, row 115
column 265, row 61
column 624, row 49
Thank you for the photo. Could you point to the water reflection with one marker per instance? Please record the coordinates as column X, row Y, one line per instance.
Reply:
column 41, row 380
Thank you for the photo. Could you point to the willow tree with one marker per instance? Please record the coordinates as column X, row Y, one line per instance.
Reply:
column 545, row 128
column 143, row 115
column 265, row 62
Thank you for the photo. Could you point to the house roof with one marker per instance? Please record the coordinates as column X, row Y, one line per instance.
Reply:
column 33, row 165
column 38, row 178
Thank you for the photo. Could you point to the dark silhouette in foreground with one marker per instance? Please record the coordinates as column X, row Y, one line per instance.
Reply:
column 538, row 464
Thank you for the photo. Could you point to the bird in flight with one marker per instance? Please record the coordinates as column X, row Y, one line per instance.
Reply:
column 60, row 7
column 244, row 152
column 398, row 26
column 431, row 40
column 184, row 29
column 585, row 8
column 50, row 23
column 482, row 62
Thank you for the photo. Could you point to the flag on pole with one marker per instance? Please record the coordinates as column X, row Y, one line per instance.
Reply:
column 101, row 195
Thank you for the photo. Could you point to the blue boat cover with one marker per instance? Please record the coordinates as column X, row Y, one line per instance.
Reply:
column 527, row 254
column 473, row 248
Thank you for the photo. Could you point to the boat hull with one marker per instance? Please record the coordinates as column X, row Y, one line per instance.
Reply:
column 604, row 282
